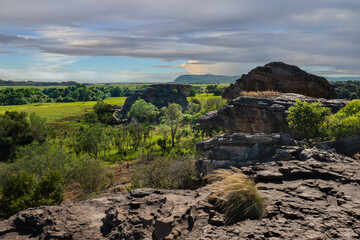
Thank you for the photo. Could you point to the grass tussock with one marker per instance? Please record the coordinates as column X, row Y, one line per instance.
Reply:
column 261, row 94
column 235, row 195
column 357, row 156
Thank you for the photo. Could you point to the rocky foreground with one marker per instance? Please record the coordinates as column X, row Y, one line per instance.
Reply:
column 312, row 196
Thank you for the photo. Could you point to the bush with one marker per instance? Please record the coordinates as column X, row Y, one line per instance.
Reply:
column 214, row 104
column 167, row 173
column 50, row 189
column 17, row 194
column 344, row 123
column 235, row 195
column 307, row 118
column 261, row 94
column 90, row 117
column 23, row 190
column 90, row 174
column 38, row 159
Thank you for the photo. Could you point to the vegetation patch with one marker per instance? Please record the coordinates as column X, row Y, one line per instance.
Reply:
column 260, row 94
column 235, row 195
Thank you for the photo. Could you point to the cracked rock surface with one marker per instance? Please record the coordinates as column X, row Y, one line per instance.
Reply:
column 315, row 196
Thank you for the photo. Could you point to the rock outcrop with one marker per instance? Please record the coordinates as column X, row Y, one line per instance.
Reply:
column 160, row 95
column 239, row 149
column 347, row 146
column 313, row 196
column 261, row 115
column 281, row 77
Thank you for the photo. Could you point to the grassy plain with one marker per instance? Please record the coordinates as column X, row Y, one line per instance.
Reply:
column 56, row 111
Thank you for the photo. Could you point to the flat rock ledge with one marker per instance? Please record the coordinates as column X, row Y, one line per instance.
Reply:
column 314, row 196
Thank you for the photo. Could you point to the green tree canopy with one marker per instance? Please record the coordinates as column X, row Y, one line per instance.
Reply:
column 143, row 112
column 173, row 118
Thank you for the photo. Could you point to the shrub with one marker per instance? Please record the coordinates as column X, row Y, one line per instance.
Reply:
column 214, row 104
column 261, row 94
column 50, row 189
column 167, row 173
column 307, row 118
column 17, row 194
column 90, row 174
column 90, row 117
column 235, row 195
column 23, row 190
column 345, row 122
column 38, row 159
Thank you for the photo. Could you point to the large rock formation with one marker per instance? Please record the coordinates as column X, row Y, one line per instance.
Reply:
column 160, row 95
column 313, row 196
column 261, row 115
column 281, row 77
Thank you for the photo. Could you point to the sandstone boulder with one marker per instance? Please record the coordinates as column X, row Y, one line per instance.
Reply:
column 281, row 77
column 261, row 115
column 160, row 95
column 347, row 146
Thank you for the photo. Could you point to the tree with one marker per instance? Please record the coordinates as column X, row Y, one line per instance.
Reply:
column 14, row 131
column 307, row 118
column 38, row 128
column 173, row 117
column 143, row 112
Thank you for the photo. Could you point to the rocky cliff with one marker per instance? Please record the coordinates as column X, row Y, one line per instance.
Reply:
column 160, row 95
column 261, row 115
column 312, row 196
column 281, row 77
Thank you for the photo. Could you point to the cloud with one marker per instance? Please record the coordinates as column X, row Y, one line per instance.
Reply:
column 221, row 37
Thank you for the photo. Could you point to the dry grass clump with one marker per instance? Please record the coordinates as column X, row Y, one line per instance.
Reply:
column 261, row 94
column 235, row 195
column 357, row 156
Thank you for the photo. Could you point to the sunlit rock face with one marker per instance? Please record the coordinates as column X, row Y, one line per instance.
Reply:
column 261, row 115
column 281, row 77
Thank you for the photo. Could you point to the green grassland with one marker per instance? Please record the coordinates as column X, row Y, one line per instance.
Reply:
column 53, row 112
column 56, row 111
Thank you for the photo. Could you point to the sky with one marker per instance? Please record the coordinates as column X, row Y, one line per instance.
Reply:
column 158, row 40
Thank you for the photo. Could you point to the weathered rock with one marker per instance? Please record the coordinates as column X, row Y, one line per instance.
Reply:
column 160, row 95
column 348, row 146
column 239, row 149
column 261, row 115
column 281, row 77
column 315, row 196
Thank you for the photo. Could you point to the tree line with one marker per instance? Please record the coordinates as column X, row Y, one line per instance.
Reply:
column 79, row 92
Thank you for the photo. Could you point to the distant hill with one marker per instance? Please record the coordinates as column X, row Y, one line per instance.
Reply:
column 207, row 78
column 334, row 79
column 31, row 83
